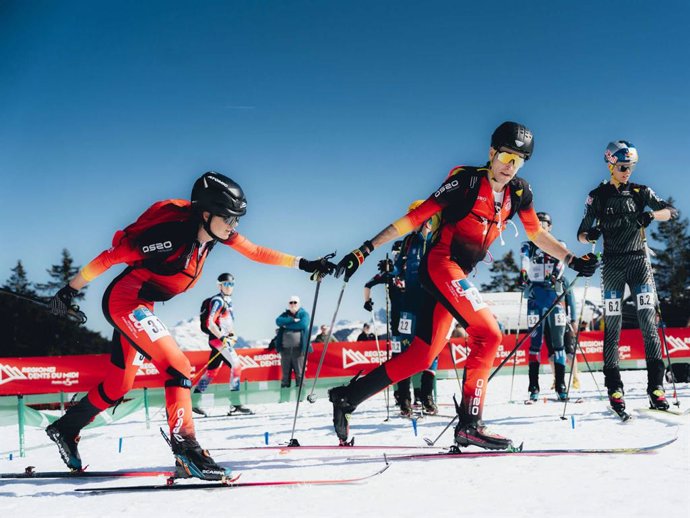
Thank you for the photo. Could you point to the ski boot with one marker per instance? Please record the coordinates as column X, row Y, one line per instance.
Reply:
column 533, row 393
column 406, row 407
column 616, row 400
column 342, row 409
column 192, row 461
column 475, row 433
column 67, row 446
column 200, row 411
column 429, row 406
column 533, row 381
column 562, row 392
column 559, row 373
column 657, row 398
column 239, row 409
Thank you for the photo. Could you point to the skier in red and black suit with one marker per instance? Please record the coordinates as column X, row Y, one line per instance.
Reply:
column 475, row 203
column 165, row 250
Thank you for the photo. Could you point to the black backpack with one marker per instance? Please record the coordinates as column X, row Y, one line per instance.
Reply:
column 203, row 316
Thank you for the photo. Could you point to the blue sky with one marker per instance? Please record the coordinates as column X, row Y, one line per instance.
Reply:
column 333, row 116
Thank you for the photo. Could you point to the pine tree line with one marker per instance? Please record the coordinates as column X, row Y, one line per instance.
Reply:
column 59, row 275
column 29, row 330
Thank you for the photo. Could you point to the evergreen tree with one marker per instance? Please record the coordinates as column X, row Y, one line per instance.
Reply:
column 504, row 275
column 671, row 264
column 18, row 281
column 60, row 274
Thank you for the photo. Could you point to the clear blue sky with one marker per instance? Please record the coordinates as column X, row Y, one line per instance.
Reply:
column 333, row 116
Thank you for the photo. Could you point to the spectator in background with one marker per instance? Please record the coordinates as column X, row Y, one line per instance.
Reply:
column 458, row 331
column 292, row 341
column 366, row 334
column 323, row 334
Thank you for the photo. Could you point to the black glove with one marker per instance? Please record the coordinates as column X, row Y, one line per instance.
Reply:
column 369, row 305
column 385, row 266
column 585, row 265
column 644, row 219
column 348, row 265
column 61, row 303
column 593, row 234
column 319, row 268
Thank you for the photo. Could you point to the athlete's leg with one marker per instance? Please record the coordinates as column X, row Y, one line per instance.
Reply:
column 641, row 282
column 613, row 282
column 534, row 311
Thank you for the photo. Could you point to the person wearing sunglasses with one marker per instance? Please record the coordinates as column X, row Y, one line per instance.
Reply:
column 217, row 320
column 165, row 251
column 619, row 211
column 292, row 341
column 474, row 205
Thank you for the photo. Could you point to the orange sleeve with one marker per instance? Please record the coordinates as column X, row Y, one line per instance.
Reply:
column 260, row 254
column 413, row 219
column 530, row 221
column 123, row 252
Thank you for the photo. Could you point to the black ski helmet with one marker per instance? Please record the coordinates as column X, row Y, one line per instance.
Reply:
column 219, row 195
column 544, row 216
column 514, row 136
column 226, row 277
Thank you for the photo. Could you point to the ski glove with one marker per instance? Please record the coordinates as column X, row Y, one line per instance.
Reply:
column 585, row 265
column 369, row 305
column 61, row 303
column 593, row 234
column 644, row 219
column 348, row 265
column 319, row 268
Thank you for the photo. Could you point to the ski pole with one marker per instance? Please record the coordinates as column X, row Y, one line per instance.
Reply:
column 531, row 329
column 378, row 356
column 311, row 398
column 577, row 346
column 388, row 344
column 73, row 313
column 517, row 332
column 661, row 320
column 293, row 441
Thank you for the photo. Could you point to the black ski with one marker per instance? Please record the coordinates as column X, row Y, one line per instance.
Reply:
column 171, row 486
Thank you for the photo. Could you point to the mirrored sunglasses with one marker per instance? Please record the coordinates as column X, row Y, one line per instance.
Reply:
column 227, row 284
column 229, row 220
column 624, row 168
column 505, row 158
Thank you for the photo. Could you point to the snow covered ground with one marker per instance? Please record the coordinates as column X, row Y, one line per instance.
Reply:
column 584, row 486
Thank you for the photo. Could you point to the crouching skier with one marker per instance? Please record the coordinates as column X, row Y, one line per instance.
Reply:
column 165, row 250
column 474, row 204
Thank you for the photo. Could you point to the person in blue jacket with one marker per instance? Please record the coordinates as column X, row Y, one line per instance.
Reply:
column 292, row 341
column 404, row 272
column 541, row 274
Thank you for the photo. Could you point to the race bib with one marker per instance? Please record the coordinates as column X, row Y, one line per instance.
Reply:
column 646, row 298
column 465, row 288
column 560, row 319
column 612, row 303
column 406, row 323
column 532, row 319
column 146, row 321
column 395, row 346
